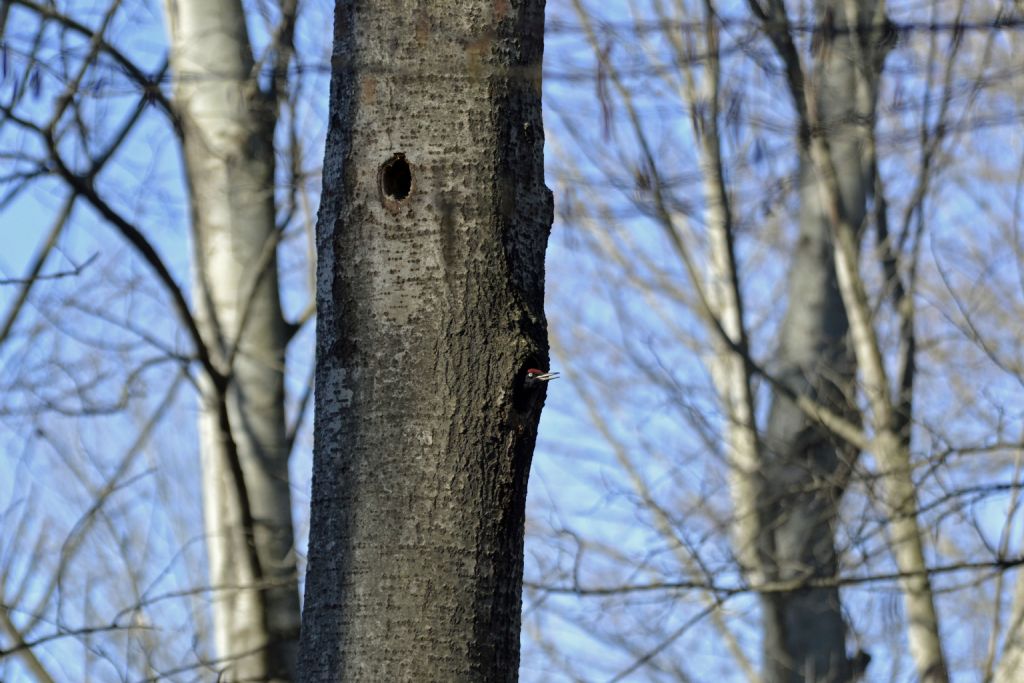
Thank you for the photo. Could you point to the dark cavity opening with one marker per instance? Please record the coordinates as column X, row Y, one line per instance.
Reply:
column 396, row 178
column 521, row 396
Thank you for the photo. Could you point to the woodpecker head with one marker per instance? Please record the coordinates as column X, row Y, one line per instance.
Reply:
column 535, row 377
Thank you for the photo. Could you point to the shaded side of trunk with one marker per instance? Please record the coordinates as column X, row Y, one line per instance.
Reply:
column 807, row 468
column 431, row 240
column 228, row 127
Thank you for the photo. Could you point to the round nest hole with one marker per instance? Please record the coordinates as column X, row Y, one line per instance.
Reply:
column 396, row 178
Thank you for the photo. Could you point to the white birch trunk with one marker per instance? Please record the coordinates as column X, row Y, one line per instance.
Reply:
column 729, row 369
column 228, row 126
column 893, row 456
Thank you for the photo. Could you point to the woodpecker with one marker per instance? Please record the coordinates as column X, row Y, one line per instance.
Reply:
column 534, row 378
column 525, row 397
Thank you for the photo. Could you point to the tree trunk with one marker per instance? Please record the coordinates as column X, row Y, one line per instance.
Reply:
column 228, row 127
column 890, row 444
column 431, row 241
column 807, row 468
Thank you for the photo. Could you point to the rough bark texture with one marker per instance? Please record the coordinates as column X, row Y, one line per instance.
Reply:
column 228, row 127
column 430, row 311
column 806, row 467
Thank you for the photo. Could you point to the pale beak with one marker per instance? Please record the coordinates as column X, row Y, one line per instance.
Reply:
column 547, row 377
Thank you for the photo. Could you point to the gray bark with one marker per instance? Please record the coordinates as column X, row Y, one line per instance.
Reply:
column 228, row 128
column 430, row 311
column 807, row 468
column 890, row 418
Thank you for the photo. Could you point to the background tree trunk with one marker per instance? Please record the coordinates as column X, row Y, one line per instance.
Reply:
column 228, row 125
column 807, row 468
column 837, row 167
column 431, row 243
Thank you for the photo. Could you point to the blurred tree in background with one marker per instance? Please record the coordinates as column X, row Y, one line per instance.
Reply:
column 795, row 371
column 221, row 113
